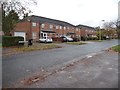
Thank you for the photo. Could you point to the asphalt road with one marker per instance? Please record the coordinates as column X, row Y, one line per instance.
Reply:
column 20, row 66
column 98, row 71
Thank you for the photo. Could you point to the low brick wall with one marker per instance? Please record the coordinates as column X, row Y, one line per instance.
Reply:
column 57, row 39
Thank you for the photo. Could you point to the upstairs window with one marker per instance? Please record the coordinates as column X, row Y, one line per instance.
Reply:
column 51, row 26
column 76, row 29
column 68, row 28
column 64, row 28
column 60, row 27
column 33, row 24
column 43, row 25
column 56, row 27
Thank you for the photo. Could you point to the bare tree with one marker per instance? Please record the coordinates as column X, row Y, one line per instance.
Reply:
column 21, row 7
column 12, row 10
column 109, row 25
column 110, row 28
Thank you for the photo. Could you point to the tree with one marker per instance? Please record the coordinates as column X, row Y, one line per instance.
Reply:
column 110, row 29
column 12, row 10
column 109, row 25
column 19, row 6
column 9, row 22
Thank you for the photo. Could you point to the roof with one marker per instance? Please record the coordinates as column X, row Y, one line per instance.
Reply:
column 41, row 20
column 85, row 26
column 48, row 20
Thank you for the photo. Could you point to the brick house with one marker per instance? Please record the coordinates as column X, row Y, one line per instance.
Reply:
column 35, row 27
column 87, row 31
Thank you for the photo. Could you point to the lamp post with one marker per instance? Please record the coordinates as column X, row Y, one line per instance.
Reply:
column 80, row 32
column 30, row 32
column 118, row 28
column 100, row 32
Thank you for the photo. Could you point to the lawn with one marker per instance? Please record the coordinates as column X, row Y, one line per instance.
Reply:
column 96, row 40
column 75, row 43
column 116, row 48
column 22, row 49
column 37, row 46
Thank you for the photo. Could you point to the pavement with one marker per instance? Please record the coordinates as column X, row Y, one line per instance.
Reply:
column 20, row 67
column 93, row 71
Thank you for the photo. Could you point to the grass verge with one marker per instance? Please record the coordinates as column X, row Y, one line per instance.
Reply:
column 97, row 40
column 37, row 47
column 75, row 43
column 116, row 48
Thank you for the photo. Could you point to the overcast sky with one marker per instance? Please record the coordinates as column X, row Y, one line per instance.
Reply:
column 86, row 12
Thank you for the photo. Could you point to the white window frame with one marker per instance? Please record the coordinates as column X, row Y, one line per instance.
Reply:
column 43, row 25
column 77, row 29
column 51, row 26
column 68, row 28
column 56, row 27
column 34, row 24
column 34, row 35
column 60, row 27
column 64, row 28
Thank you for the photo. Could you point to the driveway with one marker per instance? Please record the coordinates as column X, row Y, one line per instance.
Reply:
column 16, row 68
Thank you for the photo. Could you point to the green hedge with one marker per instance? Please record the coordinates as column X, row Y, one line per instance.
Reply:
column 11, row 41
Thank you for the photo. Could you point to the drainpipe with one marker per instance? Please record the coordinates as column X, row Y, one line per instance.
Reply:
column 30, row 34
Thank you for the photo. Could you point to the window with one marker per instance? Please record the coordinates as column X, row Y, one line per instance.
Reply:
column 60, row 27
column 45, row 34
column 64, row 28
column 43, row 25
column 51, row 26
column 68, row 28
column 41, row 35
column 34, row 35
column 56, row 27
column 34, row 24
column 76, row 29
column 56, row 34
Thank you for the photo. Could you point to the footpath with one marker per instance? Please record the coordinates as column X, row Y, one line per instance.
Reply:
column 93, row 71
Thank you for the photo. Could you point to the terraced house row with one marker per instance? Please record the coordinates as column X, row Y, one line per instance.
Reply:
column 35, row 27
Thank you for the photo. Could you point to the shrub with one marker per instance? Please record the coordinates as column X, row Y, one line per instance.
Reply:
column 11, row 41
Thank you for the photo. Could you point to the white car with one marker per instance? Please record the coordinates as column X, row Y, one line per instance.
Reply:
column 66, row 38
column 46, row 40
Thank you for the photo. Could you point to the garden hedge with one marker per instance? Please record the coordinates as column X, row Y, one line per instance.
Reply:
column 11, row 40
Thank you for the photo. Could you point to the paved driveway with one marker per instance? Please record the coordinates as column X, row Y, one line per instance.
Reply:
column 19, row 66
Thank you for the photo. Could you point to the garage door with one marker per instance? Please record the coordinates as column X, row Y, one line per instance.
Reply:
column 22, row 34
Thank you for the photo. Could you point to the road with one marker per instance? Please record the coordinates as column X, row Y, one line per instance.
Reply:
column 20, row 66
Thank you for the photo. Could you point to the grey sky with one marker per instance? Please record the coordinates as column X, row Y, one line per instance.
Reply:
column 87, row 12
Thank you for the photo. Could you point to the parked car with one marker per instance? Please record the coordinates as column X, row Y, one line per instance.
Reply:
column 46, row 40
column 66, row 39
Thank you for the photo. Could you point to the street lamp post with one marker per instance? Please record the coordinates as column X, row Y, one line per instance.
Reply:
column 30, row 34
column 100, row 32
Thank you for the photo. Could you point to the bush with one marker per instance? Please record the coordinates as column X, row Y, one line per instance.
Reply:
column 11, row 41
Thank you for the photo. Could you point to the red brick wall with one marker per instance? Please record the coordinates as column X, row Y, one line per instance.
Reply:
column 23, row 27
column 58, row 31
column 26, row 27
